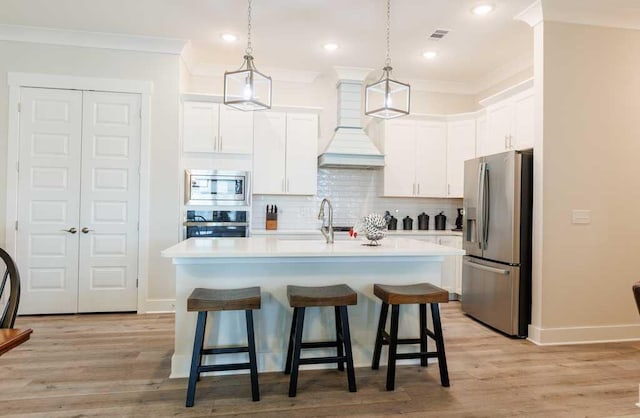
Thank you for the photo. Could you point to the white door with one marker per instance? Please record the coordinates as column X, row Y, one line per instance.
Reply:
column 461, row 146
column 431, row 159
column 302, row 154
column 236, row 131
column 199, row 126
column 269, row 142
column 399, row 158
column 48, row 203
column 499, row 119
column 78, row 169
column 109, row 202
column 523, row 108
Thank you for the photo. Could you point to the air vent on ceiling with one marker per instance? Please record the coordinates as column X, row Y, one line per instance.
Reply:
column 438, row 34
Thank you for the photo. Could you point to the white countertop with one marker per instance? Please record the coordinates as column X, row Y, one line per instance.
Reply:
column 414, row 232
column 273, row 247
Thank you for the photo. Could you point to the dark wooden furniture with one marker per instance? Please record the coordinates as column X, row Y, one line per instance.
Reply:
column 636, row 293
column 9, row 274
column 209, row 300
column 395, row 296
column 300, row 298
column 11, row 338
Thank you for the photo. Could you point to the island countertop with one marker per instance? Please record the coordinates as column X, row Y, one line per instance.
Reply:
column 273, row 247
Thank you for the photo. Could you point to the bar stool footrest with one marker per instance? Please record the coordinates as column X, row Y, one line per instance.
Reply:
column 322, row 360
column 319, row 344
column 422, row 354
column 223, row 367
column 225, row 350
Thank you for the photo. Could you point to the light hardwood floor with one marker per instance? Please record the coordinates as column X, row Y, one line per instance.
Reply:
column 117, row 365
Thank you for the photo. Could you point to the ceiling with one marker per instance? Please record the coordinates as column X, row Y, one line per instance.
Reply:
column 289, row 34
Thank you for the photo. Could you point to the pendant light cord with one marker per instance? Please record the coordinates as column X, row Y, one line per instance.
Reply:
column 249, row 49
column 387, row 61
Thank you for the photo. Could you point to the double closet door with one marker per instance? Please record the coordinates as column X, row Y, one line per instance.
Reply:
column 78, row 198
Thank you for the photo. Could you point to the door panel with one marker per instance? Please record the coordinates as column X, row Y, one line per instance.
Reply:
column 48, row 190
column 200, row 126
column 501, row 242
column 399, row 154
column 490, row 293
column 109, row 202
column 236, row 131
column 301, row 154
column 461, row 146
column 431, row 159
column 470, row 221
column 269, row 143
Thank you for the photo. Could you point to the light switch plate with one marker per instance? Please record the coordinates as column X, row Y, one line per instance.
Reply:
column 581, row 216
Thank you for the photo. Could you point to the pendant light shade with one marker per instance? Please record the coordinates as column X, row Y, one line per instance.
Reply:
column 387, row 98
column 247, row 88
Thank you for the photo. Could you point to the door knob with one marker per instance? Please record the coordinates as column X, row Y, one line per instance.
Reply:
column 70, row 230
column 86, row 230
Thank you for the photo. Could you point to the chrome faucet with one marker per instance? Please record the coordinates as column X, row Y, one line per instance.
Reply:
column 327, row 230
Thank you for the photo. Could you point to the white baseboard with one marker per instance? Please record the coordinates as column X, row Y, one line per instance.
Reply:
column 583, row 335
column 158, row 306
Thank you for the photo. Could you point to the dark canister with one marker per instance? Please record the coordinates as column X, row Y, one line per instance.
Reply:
column 407, row 223
column 441, row 221
column 423, row 221
column 393, row 224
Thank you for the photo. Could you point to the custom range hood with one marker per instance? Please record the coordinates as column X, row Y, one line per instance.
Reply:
column 350, row 146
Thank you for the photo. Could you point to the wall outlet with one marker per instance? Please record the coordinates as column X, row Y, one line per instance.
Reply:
column 581, row 216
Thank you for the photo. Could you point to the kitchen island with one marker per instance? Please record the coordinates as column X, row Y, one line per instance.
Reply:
column 272, row 264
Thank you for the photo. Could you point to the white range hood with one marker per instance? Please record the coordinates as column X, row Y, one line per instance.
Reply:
column 350, row 146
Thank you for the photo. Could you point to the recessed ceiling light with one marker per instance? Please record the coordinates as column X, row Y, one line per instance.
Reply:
column 330, row 47
column 482, row 9
column 430, row 55
column 229, row 37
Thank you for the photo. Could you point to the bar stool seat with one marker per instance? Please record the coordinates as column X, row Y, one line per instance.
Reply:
column 420, row 294
column 210, row 300
column 302, row 297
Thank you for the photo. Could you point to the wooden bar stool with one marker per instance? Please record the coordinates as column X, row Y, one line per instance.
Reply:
column 395, row 296
column 209, row 300
column 338, row 296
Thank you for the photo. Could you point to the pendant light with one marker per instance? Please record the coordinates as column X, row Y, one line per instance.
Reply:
column 247, row 88
column 387, row 98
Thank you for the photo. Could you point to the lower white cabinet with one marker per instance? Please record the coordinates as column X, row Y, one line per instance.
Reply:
column 285, row 153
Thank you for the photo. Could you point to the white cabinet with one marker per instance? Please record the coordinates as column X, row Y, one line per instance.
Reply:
column 509, row 124
column 461, row 146
column 415, row 158
column 285, row 153
column 212, row 127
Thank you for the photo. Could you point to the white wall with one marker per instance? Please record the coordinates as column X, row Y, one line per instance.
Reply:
column 591, row 137
column 163, row 71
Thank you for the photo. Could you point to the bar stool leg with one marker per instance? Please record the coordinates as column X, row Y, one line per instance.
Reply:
column 442, row 358
column 351, row 376
column 297, row 345
column 196, row 358
column 393, row 348
column 287, row 366
column 375, row 362
column 339, row 337
column 255, row 389
column 424, row 361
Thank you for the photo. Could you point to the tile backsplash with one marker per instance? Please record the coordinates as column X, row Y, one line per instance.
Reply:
column 353, row 194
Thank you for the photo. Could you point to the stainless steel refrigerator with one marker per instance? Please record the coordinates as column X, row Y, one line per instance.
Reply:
column 496, row 272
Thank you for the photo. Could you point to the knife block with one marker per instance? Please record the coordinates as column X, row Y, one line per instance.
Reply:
column 271, row 221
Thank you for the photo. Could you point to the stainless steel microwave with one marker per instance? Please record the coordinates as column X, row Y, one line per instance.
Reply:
column 217, row 188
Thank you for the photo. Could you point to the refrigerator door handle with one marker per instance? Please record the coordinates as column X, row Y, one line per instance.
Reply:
column 486, row 199
column 486, row 268
column 479, row 210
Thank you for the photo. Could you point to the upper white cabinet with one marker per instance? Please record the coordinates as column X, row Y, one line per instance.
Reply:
column 212, row 127
column 415, row 158
column 285, row 153
column 509, row 124
column 461, row 146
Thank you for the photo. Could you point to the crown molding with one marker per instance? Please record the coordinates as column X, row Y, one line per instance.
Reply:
column 519, row 64
column 532, row 15
column 91, row 39
column 352, row 73
column 441, row 86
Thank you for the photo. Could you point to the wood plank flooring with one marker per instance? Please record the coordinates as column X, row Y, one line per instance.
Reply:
column 117, row 365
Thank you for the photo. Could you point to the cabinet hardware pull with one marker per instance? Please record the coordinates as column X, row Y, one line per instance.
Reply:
column 86, row 230
column 506, row 146
column 70, row 230
column 287, row 185
column 413, row 190
column 220, row 143
column 448, row 189
column 283, row 188
column 418, row 188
